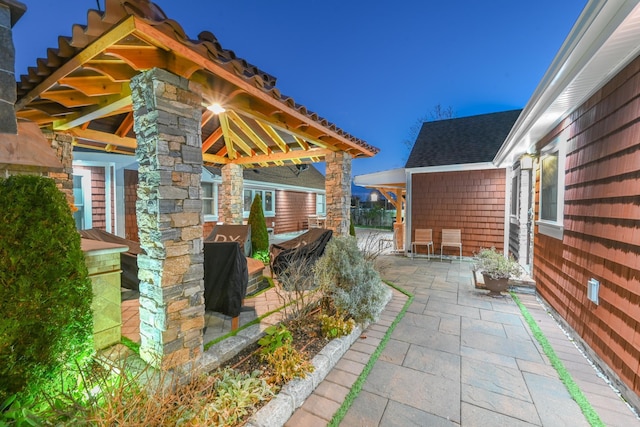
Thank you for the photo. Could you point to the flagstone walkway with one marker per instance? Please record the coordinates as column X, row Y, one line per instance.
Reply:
column 459, row 357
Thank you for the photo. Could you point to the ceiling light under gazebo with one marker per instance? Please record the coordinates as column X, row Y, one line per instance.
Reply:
column 216, row 108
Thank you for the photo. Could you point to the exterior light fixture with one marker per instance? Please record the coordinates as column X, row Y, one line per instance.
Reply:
column 216, row 108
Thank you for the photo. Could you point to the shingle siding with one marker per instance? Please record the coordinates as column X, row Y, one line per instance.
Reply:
column 601, row 227
column 473, row 201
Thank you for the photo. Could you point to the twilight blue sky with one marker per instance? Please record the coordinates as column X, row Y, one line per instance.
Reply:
column 372, row 67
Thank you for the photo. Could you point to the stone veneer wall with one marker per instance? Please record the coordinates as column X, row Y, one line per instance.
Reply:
column 62, row 144
column 167, row 115
column 231, row 201
column 338, row 188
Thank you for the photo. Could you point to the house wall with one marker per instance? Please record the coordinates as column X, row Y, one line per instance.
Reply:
column 292, row 211
column 98, row 197
column 472, row 201
column 601, row 228
column 130, row 197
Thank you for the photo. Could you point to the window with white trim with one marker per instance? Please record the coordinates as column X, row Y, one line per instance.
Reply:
column 210, row 201
column 551, row 197
column 82, row 199
column 268, row 201
column 321, row 204
column 515, row 192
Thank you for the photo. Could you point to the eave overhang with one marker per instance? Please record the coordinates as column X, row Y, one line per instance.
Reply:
column 605, row 38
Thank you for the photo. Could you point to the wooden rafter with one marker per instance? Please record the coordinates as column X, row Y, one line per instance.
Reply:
column 228, row 142
column 281, row 157
column 126, row 125
column 111, row 37
column 211, row 139
column 104, row 106
column 250, row 133
column 106, row 138
column 93, row 85
column 149, row 32
column 282, row 145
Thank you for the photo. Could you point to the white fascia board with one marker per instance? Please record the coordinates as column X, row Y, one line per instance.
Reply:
column 101, row 158
column 604, row 39
column 273, row 186
column 391, row 177
column 452, row 168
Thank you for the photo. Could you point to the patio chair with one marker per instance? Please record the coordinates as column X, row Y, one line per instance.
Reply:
column 423, row 237
column 451, row 238
column 313, row 222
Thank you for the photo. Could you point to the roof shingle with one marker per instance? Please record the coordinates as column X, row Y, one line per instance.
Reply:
column 472, row 139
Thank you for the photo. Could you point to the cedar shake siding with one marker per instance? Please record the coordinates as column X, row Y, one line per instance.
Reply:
column 601, row 227
column 292, row 211
column 98, row 196
column 130, row 197
column 472, row 201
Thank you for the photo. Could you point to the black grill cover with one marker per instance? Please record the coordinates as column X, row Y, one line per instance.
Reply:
column 225, row 277
column 306, row 247
column 232, row 233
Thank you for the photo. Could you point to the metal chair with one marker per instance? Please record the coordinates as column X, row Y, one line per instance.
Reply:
column 451, row 238
column 423, row 237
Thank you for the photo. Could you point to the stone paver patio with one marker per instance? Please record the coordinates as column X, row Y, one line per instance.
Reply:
column 457, row 357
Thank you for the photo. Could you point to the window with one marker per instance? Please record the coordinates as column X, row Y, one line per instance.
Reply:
column 268, row 201
column 321, row 204
column 551, row 197
column 82, row 198
column 515, row 193
column 549, row 188
column 210, row 201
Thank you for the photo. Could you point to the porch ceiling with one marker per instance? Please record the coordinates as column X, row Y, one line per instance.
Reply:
column 82, row 88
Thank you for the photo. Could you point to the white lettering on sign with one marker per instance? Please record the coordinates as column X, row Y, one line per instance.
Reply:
column 222, row 238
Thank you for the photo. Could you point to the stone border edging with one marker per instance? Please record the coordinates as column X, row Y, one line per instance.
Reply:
column 294, row 393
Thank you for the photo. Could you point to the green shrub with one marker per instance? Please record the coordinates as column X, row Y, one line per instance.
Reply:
column 45, row 294
column 350, row 281
column 275, row 337
column 352, row 227
column 259, row 234
column 261, row 256
column 336, row 326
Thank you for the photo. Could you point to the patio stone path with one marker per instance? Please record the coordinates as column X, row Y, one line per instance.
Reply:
column 459, row 357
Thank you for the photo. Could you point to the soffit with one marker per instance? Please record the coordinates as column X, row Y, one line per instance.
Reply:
column 604, row 40
column 82, row 87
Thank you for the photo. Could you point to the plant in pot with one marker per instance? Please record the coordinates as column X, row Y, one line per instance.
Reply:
column 496, row 269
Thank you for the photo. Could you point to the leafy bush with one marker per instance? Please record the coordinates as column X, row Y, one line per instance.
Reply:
column 275, row 337
column 350, row 280
column 261, row 256
column 45, row 293
column 259, row 234
column 352, row 226
column 235, row 394
column 336, row 326
column 286, row 363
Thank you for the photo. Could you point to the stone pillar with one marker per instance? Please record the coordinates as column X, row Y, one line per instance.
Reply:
column 338, row 188
column 62, row 144
column 10, row 13
column 231, row 200
column 167, row 115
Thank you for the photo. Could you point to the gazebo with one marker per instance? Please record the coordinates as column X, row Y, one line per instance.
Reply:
column 131, row 81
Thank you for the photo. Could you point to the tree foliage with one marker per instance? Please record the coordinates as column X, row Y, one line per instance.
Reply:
column 259, row 234
column 350, row 281
column 437, row 113
column 45, row 292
